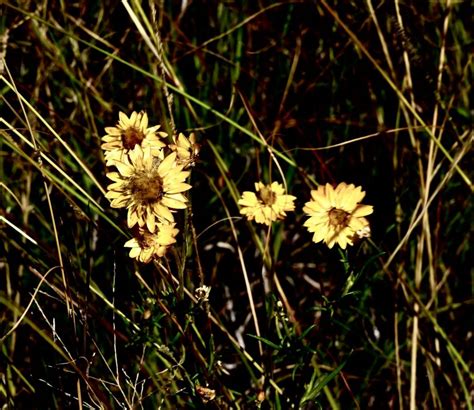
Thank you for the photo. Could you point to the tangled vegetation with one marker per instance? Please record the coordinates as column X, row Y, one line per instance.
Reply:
column 236, row 204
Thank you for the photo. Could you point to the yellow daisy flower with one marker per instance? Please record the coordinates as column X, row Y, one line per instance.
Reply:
column 336, row 216
column 152, row 245
column 148, row 187
column 130, row 132
column 268, row 204
column 186, row 149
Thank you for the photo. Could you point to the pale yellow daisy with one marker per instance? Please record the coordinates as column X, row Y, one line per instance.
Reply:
column 269, row 203
column 186, row 149
column 147, row 246
column 130, row 132
column 150, row 188
column 336, row 214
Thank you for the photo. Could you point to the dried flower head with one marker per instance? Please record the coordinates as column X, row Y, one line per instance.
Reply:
column 186, row 149
column 148, row 187
column 130, row 132
column 336, row 216
column 269, row 203
column 202, row 293
column 147, row 246
column 205, row 393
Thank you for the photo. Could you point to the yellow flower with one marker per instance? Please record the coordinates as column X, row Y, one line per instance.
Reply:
column 186, row 149
column 336, row 216
column 148, row 187
column 268, row 204
column 150, row 245
column 130, row 132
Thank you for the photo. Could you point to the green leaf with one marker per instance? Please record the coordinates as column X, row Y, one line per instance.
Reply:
column 312, row 391
column 267, row 342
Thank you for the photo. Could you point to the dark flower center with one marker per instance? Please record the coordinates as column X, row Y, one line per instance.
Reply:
column 131, row 137
column 267, row 196
column 147, row 188
column 338, row 217
column 144, row 241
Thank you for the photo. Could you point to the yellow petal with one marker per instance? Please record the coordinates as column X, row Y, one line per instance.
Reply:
column 330, row 194
column 277, row 188
column 320, row 198
column 167, row 164
column 132, row 218
column 153, row 129
column 363, row 210
column 113, row 194
column 144, row 122
column 124, row 169
column 119, row 202
column 131, row 243
column 320, row 234
column 150, row 222
column 173, row 203
column 248, row 199
column 357, row 223
column 113, row 131
column 162, row 212
column 134, row 252
column 177, row 188
column 146, row 255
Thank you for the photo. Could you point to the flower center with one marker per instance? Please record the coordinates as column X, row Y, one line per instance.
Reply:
column 147, row 188
column 267, row 196
column 338, row 217
column 131, row 137
column 145, row 241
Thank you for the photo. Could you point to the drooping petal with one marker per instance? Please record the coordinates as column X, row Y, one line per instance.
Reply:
column 163, row 212
column 134, row 252
column 150, row 222
column 132, row 219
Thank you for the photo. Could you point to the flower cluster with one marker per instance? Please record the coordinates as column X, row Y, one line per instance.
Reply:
column 335, row 214
column 149, row 181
